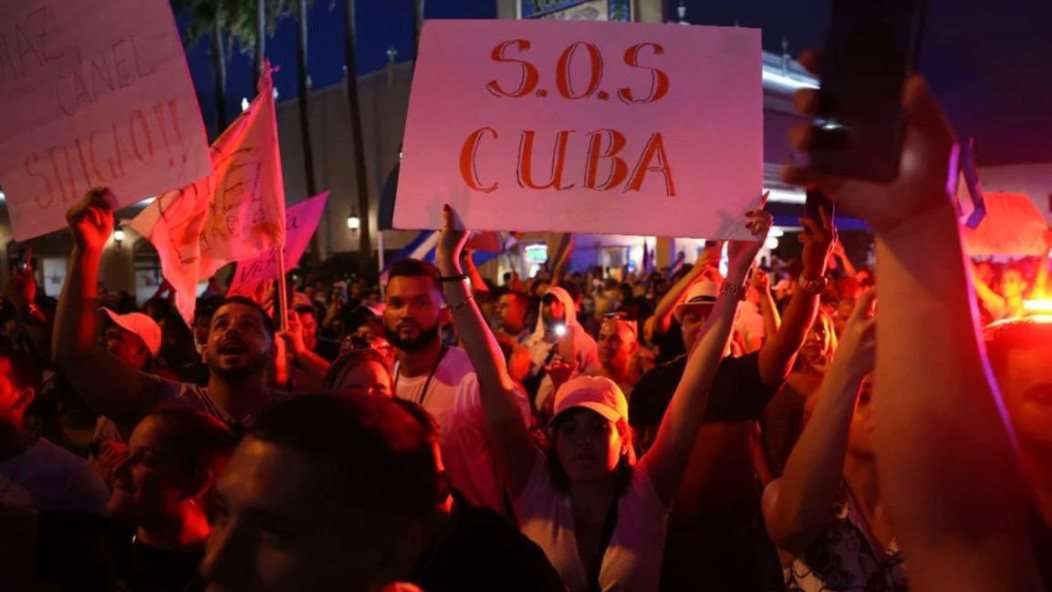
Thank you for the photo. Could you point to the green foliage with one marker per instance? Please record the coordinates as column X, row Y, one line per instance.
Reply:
column 237, row 19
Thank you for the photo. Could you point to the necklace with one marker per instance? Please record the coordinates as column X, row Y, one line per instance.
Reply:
column 431, row 375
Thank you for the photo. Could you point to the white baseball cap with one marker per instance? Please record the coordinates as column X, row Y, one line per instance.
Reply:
column 594, row 393
column 700, row 293
column 142, row 326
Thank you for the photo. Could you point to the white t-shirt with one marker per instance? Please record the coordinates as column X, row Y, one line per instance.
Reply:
column 632, row 562
column 453, row 399
column 50, row 478
column 748, row 321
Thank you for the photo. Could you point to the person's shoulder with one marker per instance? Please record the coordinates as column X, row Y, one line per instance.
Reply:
column 671, row 368
column 51, row 455
column 457, row 363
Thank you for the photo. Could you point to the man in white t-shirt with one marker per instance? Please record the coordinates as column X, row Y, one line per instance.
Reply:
column 441, row 379
column 34, row 473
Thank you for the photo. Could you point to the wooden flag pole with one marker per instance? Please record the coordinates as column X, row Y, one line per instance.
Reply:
column 283, row 293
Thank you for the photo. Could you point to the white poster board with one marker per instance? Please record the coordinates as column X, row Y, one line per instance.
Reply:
column 618, row 128
column 93, row 93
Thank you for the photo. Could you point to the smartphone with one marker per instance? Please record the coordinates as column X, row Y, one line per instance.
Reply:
column 815, row 202
column 871, row 49
column 24, row 258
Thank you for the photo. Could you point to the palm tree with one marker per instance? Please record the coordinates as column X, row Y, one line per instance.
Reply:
column 227, row 21
column 304, row 99
column 365, row 255
column 208, row 18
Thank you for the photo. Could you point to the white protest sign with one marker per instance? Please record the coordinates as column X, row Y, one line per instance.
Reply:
column 301, row 222
column 235, row 213
column 618, row 128
column 93, row 93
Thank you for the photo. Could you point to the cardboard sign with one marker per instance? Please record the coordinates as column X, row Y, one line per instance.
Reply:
column 617, row 128
column 235, row 213
column 302, row 221
column 1012, row 226
column 92, row 93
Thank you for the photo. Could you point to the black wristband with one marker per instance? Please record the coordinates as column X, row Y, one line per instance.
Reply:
column 453, row 278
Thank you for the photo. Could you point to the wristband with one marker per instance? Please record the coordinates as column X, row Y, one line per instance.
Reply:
column 813, row 286
column 453, row 278
column 462, row 304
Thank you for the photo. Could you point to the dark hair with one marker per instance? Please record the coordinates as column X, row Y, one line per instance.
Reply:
column 368, row 452
column 415, row 268
column 1005, row 336
column 268, row 323
column 206, row 307
column 25, row 371
column 356, row 357
column 561, row 481
column 200, row 440
column 520, row 297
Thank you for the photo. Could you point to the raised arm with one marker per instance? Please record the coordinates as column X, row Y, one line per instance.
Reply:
column 1038, row 290
column 511, row 445
column 845, row 261
column 658, row 323
column 799, row 506
column 779, row 351
column 666, row 460
column 478, row 284
column 562, row 258
column 772, row 319
column 107, row 386
column 22, row 290
column 961, row 525
column 993, row 301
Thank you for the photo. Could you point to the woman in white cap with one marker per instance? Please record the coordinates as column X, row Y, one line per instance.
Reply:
column 598, row 515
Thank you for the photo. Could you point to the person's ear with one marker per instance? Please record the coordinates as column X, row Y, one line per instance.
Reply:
column 24, row 398
column 200, row 483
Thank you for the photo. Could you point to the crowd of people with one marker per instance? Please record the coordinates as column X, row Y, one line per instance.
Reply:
column 671, row 429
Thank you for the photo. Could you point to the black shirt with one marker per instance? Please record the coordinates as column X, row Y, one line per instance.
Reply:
column 83, row 552
column 479, row 550
column 738, row 392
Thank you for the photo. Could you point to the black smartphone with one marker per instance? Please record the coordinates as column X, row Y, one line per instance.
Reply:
column 872, row 47
column 817, row 201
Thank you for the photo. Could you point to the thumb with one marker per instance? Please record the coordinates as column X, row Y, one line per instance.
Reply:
column 921, row 108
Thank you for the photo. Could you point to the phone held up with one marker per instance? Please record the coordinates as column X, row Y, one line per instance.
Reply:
column 871, row 49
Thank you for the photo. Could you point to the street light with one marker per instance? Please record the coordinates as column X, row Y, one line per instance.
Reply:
column 353, row 222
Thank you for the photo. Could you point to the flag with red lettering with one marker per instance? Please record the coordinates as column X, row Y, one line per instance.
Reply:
column 235, row 213
column 302, row 221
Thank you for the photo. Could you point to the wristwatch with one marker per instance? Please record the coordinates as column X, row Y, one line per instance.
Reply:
column 813, row 286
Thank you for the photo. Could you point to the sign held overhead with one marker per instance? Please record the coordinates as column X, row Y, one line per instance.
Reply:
column 585, row 127
column 93, row 93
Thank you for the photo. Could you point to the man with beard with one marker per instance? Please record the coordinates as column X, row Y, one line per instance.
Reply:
column 440, row 378
column 237, row 353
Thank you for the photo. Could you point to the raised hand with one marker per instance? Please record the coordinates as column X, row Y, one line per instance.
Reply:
column 293, row 335
column 818, row 238
column 91, row 219
column 452, row 238
column 928, row 154
column 742, row 253
column 859, row 340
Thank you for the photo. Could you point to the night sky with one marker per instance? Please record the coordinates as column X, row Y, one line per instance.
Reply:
column 990, row 63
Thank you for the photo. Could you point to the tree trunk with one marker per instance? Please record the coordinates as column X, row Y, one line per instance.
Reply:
column 365, row 254
column 304, row 102
column 219, row 69
column 261, row 41
column 418, row 23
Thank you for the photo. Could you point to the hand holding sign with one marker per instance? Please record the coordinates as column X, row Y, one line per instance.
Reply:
column 91, row 220
column 584, row 127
